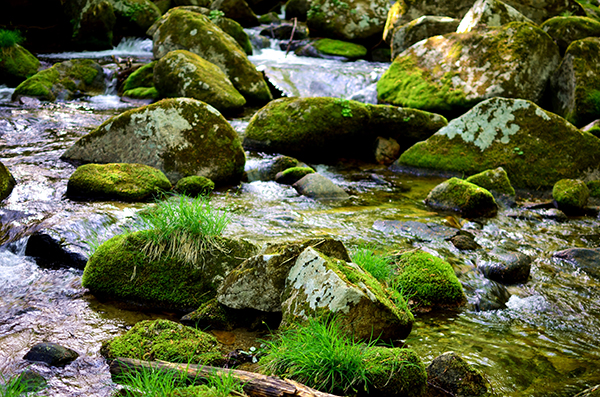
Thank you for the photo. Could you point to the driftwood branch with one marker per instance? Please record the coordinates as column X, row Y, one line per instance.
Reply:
column 255, row 385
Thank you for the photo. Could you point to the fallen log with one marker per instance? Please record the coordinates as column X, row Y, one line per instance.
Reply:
column 255, row 385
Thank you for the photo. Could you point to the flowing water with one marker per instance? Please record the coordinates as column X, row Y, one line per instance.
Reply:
column 543, row 344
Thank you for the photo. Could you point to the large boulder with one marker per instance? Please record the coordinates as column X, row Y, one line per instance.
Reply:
column 350, row 20
column 322, row 129
column 134, row 17
column 7, row 182
column 535, row 147
column 16, row 65
column 121, row 269
column 93, row 22
column 184, row 74
column 565, row 30
column 64, row 81
column 238, row 10
column 490, row 13
column 180, row 136
column 466, row 198
column 576, row 83
column 181, row 29
column 318, row 285
column 420, row 29
column 441, row 74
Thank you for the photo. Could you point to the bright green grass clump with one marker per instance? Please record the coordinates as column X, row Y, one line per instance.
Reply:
column 9, row 38
column 380, row 266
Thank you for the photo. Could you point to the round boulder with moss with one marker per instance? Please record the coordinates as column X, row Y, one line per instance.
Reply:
column 16, row 64
column 292, row 175
column 7, row 182
column 565, row 30
column 140, row 83
column 396, row 372
column 181, row 137
column 496, row 181
column 127, row 182
column 466, row 198
column 333, row 48
column 194, row 186
column 571, row 195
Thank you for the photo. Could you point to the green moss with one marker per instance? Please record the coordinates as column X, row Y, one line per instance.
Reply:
column 294, row 173
column 340, row 48
column 142, row 77
column 17, row 64
column 395, row 371
column 39, row 85
column 570, row 194
column 428, row 280
column 7, row 182
column 10, row 38
column 194, row 186
column 165, row 340
column 236, row 31
column 84, row 70
column 493, row 180
column 466, row 198
column 212, row 314
column 594, row 188
column 142, row 93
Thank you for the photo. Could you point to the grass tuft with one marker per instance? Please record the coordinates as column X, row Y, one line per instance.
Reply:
column 16, row 387
column 380, row 267
column 9, row 38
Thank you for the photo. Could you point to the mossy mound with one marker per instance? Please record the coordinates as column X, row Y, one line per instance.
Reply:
column 437, row 74
column 181, row 29
column 576, row 83
column 466, row 198
column 134, row 17
column 496, row 181
column 292, row 175
column 428, row 281
column 340, row 48
column 594, row 188
column 16, row 65
column 535, row 147
column 120, row 269
column 142, row 93
column 396, row 372
column 64, row 81
column 165, row 340
column 194, row 186
column 565, row 30
column 142, row 77
column 181, row 137
column 7, row 182
column 571, row 195
column 451, row 372
column 127, row 182
column 184, row 74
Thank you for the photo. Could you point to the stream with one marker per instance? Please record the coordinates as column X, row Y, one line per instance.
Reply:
column 545, row 343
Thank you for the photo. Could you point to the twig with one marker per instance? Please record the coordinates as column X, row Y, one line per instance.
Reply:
column 292, row 36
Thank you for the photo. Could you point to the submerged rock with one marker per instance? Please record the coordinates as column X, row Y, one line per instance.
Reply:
column 451, row 372
column 317, row 186
column 571, row 195
column 7, row 182
column 181, row 137
column 535, row 147
column 506, row 267
column 420, row 29
column 417, row 230
column 16, row 65
column 52, row 354
column 466, row 198
column 402, row 373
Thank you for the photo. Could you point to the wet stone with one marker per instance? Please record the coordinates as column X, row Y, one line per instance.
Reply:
column 50, row 253
column 419, row 230
column 586, row 259
column 452, row 373
column 464, row 242
column 506, row 267
column 52, row 354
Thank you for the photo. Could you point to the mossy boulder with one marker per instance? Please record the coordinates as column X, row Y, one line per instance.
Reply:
column 7, row 182
column 318, row 285
column 184, row 74
column 166, row 340
column 140, row 83
column 490, row 13
column 194, row 186
column 428, row 281
column 451, row 372
column 181, row 29
column 134, row 17
column 64, row 81
column 396, row 372
column 127, row 182
column 322, row 129
column 120, row 269
column 359, row 21
column 594, row 188
column 571, row 195
column 466, row 198
column 16, row 65
column 181, row 137
column 238, row 10
column 236, row 31
column 437, row 75
column 496, row 181
column 93, row 23
column 420, row 29
column 576, row 83
column 292, row 175
column 340, row 48
column 535, row 147
column 565, row 30
column 142, row 93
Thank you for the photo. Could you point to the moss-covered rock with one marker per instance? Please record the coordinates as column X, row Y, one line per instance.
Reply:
column 93, row 22
column 184, row 74
column 194, row 186
column 120, row 269
column 127, row 182
column 496, row 181
column 514, row 61
column 52, row 354
column 268, row 170
column 466, row 198
column 451, row 372
column 405, row 125
column 535, row 147
column 64, row 81
column 236, row 31
column 141, row 77
column 165, row 340
column 181, row 137
column 292, row 175
column 396, row 372
column 7, row 182
column 238, row 10
column 181, row 29
column 575, row 85
column 428, row 281
column 142, row 93
column 340, row 48
column 134, row 17
column 420, row 29
column 16, row 65
column 594, row 188
column 565, row 30
column 571, row 195
column 490, row 13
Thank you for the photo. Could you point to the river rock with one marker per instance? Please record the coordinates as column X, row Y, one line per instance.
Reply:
column 268, row 169
column 238, row 10
column 292, row 175
column 184, row 74
column 420, row 29
column 575, row 93
column 16, row 65
column 179, row 136
column 121, row 269
column 490, row 13
column 52, row 354
column 7, row 182
column 506, row 267
column 466, row 198
column 428, row 281
column 319, row 285
column 495, row 181
column 134, row 17
column 286, row 31
column 438, row 74
column 51, row 253
column 565, row 30
column 571, row 195
column 535, row 147
column 402, row 373
column 180, row 29
column 464, row 242
column 236, row 31
column 140, row 83
column 64, row 81
column 332, row 49
column 93, row 23
column 386, row 150
column 350, row 20
column 451, row 372
column 586, row 259
column 484, row 294
column 194, row 186
column 416, row 230
column 318, row 187
column 126, row 182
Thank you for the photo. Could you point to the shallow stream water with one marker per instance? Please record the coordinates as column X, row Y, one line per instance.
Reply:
column 545, row 343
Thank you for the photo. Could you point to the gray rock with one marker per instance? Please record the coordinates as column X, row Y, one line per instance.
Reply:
column 421, row 28
column 317, row 186
column 464, row 242
column 52, row 354
column 490, row 13
column 506, row 267
column 586, row 259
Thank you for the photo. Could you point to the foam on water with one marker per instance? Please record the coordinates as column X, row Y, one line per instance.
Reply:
column 128, row 47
